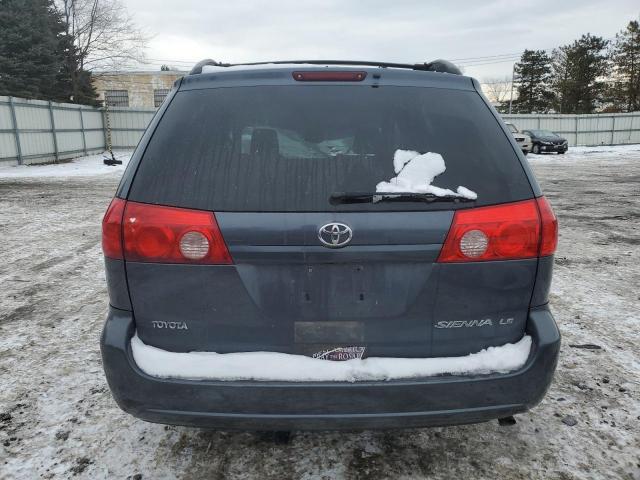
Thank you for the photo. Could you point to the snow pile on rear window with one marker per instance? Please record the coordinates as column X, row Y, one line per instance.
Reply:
column 272, row 366
column 416, row 171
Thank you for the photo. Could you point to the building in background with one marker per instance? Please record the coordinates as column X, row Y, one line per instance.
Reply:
column 134, row 88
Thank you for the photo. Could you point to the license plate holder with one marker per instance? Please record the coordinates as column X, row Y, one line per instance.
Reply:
column 340, row 354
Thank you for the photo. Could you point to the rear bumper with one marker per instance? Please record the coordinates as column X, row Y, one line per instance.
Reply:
column 327, row 405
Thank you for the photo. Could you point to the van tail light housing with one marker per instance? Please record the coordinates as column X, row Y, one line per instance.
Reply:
column 549, row 241
column 518, row 230
column 154, row 233
column 112, row 229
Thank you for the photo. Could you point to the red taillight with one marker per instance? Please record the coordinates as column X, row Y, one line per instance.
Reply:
column 526, row 229
column 315, row 76
column 112, row 229
column 154, row 233
column 549, row 241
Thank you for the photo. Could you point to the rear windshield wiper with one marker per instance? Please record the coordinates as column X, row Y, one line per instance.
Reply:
column 338, row 198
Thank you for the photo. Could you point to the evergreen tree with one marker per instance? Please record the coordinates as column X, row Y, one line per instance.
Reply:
column 577, row 75
column 85, row 91
column 38, row 58
column 533, row 74
column 30, row 56
column 75, row 82
column 561, row 80
column 625, row 56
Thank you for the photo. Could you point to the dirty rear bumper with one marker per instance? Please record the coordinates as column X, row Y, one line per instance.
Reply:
column 327, row 405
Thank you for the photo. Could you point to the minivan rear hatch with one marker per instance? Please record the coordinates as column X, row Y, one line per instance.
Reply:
column 278, row 165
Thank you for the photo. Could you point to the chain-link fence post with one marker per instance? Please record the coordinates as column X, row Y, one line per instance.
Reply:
column 16, row 130
column 56, row 153
column 84, row 138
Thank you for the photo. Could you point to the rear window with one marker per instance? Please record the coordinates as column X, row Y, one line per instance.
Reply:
column 288, row 148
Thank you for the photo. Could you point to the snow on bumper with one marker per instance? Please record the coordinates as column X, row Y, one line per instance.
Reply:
column 272, row 366
column 327, row 405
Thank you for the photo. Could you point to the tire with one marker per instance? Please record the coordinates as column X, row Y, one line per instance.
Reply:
column 526, row 152
column 535, row 149
column 561, row 153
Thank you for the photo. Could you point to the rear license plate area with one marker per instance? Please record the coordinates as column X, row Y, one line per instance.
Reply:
column 328, row 340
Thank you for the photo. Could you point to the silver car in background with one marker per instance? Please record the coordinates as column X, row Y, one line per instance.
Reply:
column 523, row 140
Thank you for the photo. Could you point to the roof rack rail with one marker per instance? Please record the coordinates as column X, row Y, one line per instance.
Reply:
column 439, row 65
column 197, row 68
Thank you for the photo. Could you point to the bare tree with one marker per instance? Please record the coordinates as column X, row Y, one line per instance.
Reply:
column 103, row 33
column 498, row 90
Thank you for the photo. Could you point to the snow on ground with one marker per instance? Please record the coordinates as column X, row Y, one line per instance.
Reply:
column 79, row 167
column 58, row 420
column 266, row 366
column 587, row 154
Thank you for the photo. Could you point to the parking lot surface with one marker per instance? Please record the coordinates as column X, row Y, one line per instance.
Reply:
column 58, row 420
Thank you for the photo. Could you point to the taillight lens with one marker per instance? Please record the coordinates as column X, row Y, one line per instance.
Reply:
column 194, row 245
column 154, row 233
column 516, row 230
column 549, row 241
column 474, row 243
column 112, row 229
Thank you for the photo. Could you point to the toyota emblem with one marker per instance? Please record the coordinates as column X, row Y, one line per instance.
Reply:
column 335, row 235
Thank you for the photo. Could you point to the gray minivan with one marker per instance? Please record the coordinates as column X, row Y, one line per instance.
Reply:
column 313, row 245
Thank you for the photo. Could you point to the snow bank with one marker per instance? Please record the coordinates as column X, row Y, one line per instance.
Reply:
column 416, row 171
column 267, row 366
column 89, row 166
column 592, row 154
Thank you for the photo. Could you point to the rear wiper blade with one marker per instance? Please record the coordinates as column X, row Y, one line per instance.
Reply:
column 338, row 198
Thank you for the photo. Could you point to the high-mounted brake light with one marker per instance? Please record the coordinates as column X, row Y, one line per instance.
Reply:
column 112, row 229
column 154, row 233
column 518, row 230
column 330, row 76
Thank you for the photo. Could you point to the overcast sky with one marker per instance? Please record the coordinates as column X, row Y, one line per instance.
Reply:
column 382, row 30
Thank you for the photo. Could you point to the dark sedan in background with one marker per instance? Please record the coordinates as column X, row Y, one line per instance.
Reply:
column 545, row 141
